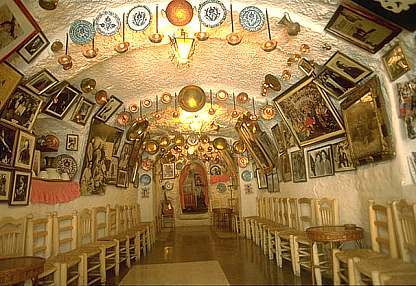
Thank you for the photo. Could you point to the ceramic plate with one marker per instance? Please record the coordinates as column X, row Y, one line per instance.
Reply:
column 145, row 179
column 81, row 32
column 107, row 23
column 242, row 162
column 168, row 186
column 179, row 166
column 252, row 19
column 221, row 187
column 192, row 139
column 139, row 18
column 66, row 164
column 247, row 176
column 212, row 13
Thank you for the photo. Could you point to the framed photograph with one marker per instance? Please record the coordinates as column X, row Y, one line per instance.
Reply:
column 21, row 189
column 298, row 166
column 22, row 108
column 122, row 179
column 305, row 66
column 215, row 170
column 8, row 142
column 72, row 142
column 270, row 187
column 36, row 163
column 22, row 27
column 123, row 162
column 261, row 179
column 396, row 62
column 9, row 79
column 24, row 150
column 366, row 31
column 34, row 47
column 342, row 157
column 108, row 109
column 320, row 162
column 41, row 82
column 82, row 111
column 335, row 84
column 55, row 89
column 276, row 181
column 6, row 182
column 285, row 166
column 168, row 171
column 307, row 111
column 59, row 105
column 112, row 172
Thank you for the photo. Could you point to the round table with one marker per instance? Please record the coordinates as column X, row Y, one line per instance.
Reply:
column 19, row 269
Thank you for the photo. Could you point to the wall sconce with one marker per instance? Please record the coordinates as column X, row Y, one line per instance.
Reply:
column 269, row 45
column 90, row 52
column 183, row 48
column 101, row 97
column 233, row 39
column 293, row 28
column 156, row 37
column 123, row 46
column 65, row 60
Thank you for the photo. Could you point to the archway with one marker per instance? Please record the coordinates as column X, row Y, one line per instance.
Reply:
column 193, row 188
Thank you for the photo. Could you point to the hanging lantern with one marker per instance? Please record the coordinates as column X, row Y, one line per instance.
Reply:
column 156, row 37
column 233, row 38
column 179, row 12
column 270, row 44
column 192, row 98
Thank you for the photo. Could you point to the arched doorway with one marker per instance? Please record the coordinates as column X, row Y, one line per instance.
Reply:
column 193, row 188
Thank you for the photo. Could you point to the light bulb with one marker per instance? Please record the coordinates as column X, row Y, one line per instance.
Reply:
column 122, row 47
column 233, row 39
column 211, row 111
column 269, row 45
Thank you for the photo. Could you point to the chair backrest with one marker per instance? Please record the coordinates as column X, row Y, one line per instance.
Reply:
column 111, row 220
column 12, row 236
column 99, row 219
column 129, row 216
column 382, row 229
column 306, row 213
column 327, row 212
column 293, row 212
column 121, row 219
column 64, row 232
column 284, row 211
column 404, row 216
column 85, row 227
column 136, row 214
column 274, row 209
column 39, row 236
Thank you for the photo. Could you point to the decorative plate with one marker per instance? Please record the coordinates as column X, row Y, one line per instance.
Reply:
column 147, row 164
column 212, row 13
column 221, row 187
column 168, row 186
column 166, row 98
column 242, row 162
column 107, row 23
column 252, row 19
column 147, row 103
column 139, row 18
column 66, row 164
column 81, row 32
column 151, row 147
column 192, row 139
column 247, row 176
column 268, row 112
column 179, row 166
column 145, row 179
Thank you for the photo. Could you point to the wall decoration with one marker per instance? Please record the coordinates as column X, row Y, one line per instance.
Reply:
column 66, row 164
column 367, row 124
column 106, row 111
column 36, row 163
column 8, row 141
column 107, row 23
column 168, row 186
column 212, row 13
column 139, row 18
column 276, row 181
column 278, row 138
column 320, row 162
column 34, row 47
column 168, row 171
column 5, row 184
column 71, row 142
column 111, row 177
column 305, row 66
column 252, row 19
column 82, row 111
column 298, row 166
column 342, row 157
column 41, row 81
column 395, row 62
column 362, row 29
column 21, row 189
column 10, row 78
column 125, row 156
column 21, row 108
column 284, row 165
column 59, row 105
column 55, row 89
column 261, row 179
column 309, row 113
column 122, row 179
column 247, row 176
column 24, row 27
column 335, row 84
column 145, row 179
column 215, row 170
column 81, row 32
column 221, row 188
column 135, row 161
column 24, row 150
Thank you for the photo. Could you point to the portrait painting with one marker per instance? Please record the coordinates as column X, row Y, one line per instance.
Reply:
column 108, row 109
column 276, row 181
column 82, row 111
column 98, row 157
column 320, row 162
column 5, row 184
column 55, row 89
column 9, row 79
column 34, row 47
column 284, row 164
column 21, row 189
column 125, row 153
column 342, row 157
column 122, row 179
column 22, row 108
column 366, row 31
column 261, row 179
column 308, row 112
column 59, row 104
column 111, row 178
column 395, row 62
column 298, row 166
column 36, row 163
column 24, row 150
column 335, row 84
column 71, row 142
column 8, row 142
column 168, row 171
column 348, row 68
column 41, row 82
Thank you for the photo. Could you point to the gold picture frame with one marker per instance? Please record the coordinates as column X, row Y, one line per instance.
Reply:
column 395, row 62
column 10, row 78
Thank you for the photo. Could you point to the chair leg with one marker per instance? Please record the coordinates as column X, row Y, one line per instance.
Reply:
column 278, row 250
column 352, row 276
column 128, row 262
column 83, row 270
column 269, row 244
column 294, row 254
column 375, row 277
column 117, row 259
column 103, row 272
column 63, row 275
column 57, row 274
column 315, row 264
column 336, row 267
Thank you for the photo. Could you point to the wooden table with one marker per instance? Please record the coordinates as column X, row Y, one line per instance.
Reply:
column 222, row 218
column 20, row 269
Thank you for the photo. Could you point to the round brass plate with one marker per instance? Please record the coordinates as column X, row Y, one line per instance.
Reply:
column 239, row 147
column 191, row 98
column 192, row 139
column 220, row 143
column 268, row 112
column 222, row 95
column 147, row 103
column 166, row 98
column 179, row 140
column 273, row 82
column 242, row 97
column 179, row 12
column 136, row 130
column 164, row 141
column 152, row 147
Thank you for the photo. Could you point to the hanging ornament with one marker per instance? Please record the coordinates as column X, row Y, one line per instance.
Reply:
column 156, row 37
column 269, row 45
column 191, row 98
column 211, row 110
column 242, row 97
column 233, row 38
column 179, row 12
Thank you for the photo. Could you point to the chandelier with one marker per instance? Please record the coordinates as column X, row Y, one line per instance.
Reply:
column 183, row 48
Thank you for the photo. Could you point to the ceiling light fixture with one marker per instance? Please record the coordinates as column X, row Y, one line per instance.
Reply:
column 233, row 39
column 92, row 51
column 65, row 60
column 123, row 46
column 269, row 45
column 156, row 37
column 183, row 48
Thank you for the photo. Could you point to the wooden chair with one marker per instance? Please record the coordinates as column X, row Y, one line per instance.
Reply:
column 248, row 222
column 398, row 278
column 12, row 236
column 141, row 231
column 122, row 229
column 139, row 222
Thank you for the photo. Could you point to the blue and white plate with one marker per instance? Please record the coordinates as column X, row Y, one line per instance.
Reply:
column 81, row 32
column 252, row 19
column 107, row 23
column 247, row 176
column 145, row 179
column 221, row 187
column 212, row 13
column 139, row 18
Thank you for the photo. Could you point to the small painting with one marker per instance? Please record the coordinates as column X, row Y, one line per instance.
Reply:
column 72, row 142
column 396, row 62
column 8, row 141
column 261, row 179
column 168, row 171
column 306, row 66
column 278, row 139
column 335, row 84
column 82, row 111
column 9, row 79
column 60, row 103
column 41, row 82
column 55, row 89
column 122, row 179
column 320, row 162
column 21, row 189
column 347, row 67
column 285, row 165
column 34, row 47
column 342, row 157
column 36, row 163
column 123, row 162
column 112, row 172
column 5, row 184
column 298, row 166
column 108, row 109
column 215, row 170
column 24, row 150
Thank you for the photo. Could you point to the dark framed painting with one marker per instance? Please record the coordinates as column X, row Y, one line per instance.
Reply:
column 270, row 187
column 23, row 27
column 307, row 111
column 41, row 82
column 360, row 28
column 276, row 181
column 124, row 158
column 8, row 142
column 20, row 193
column 9, row 78
column 82, row 111
column 135, row 161
column 298, row 166
column 168, row 171
column 332, row 82
column 112, row 172
column 342, row 157
column 59, row 105
column 34, row 47
column 24, row 150
column 22, row 108
column 122, row 179
column 395, row 62
column 278, row 138
column 108, row 109
column 6, row 182
column 55, row 89
column 261, row 179
column 320, row 163
column 72, row 142
column 306, row 66
column 284, row 164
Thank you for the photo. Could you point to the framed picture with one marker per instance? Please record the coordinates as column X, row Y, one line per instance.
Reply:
column 270, row 187
column 276, row 181
column 335, row 84
column 22, row 27
column 6, row 181
column 82, row 111
column 34, row 47
column 285, row 166
column 21, row 189
column 298, row 166
column 396, row 62
column 123, row 162
column 367, row 125
column 60, row 103
column 9, row 78
column 8, row 142
column 168, row 171
column 24, row 150
column 22, row 108
column 112, row 171
column 305, row 66
column 320, row 162
column 366, row 31
column 122, row 179
column 36, row 163
column 41, row 82
column 342, row 157
column 308, row 112
column 215, row 170
column 261, row 179
column 72, row 142
column 108, row 109
column 55, row 89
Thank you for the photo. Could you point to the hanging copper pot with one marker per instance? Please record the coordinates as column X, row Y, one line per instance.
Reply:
column 239, row 147
column 152, row 147
column 191, row 98
column 220, row 143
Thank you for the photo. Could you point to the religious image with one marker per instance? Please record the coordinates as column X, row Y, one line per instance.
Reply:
column 342, row 157
column 21, row 189
column 395, row 62
column 334, row 83
column 5, row 184
column 125, row 156
column 41, row 82
column 320, row 162
column 298, row 166
column 82, row 111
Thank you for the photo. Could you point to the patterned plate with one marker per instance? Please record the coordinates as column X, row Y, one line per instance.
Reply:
column 66, row 164
column 252, row 19
column 247, row 176
column 221, row 187
column 107, row 23
column 168, row 186
column 212, row 13
column 145, row 179
column 139, row 18
column 81, row 32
